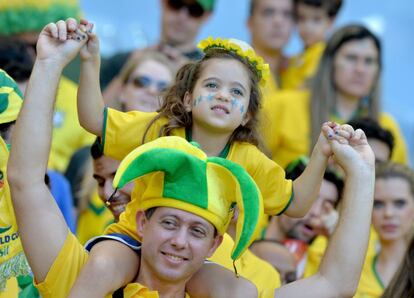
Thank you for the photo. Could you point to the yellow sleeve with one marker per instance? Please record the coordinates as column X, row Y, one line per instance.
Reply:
column 123, row 132
column 269, row 176
column 64, row 270
column 399, row 153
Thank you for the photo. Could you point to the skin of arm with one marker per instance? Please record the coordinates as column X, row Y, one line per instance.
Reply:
column 42, row 227
column 90, row 101
column 306, row 186
column 341, row 266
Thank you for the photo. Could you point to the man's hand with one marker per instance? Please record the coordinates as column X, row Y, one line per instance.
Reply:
column 60, row 42
column 351, row 149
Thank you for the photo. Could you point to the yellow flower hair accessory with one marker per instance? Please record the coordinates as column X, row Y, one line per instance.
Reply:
column 243, row 50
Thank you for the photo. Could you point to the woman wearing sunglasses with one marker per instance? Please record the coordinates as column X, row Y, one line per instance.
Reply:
column 144, row 78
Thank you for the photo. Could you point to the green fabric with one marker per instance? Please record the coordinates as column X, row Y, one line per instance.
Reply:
column 4, row 102
column 105, row 120
column 189, row 137
column 95, row 209
column 33, row 19
column 207, row 5
column 6, row 81
column 178, row 184
column 13, row 267
column 374, row 269
column 249, row 190
column 27, row 288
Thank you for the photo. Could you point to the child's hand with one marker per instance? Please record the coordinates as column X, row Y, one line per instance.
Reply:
column 90, row 50
column 327, row 133
column 60, row 42
column 350, row 148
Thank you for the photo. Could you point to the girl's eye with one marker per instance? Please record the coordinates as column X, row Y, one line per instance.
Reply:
column 399, row 203
column 378, row 204
column 211, row 85
column 237, row 92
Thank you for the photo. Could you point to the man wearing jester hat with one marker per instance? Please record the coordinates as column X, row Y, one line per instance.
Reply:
column 179, row 226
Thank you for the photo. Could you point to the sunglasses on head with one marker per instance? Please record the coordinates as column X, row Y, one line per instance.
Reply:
column 145, row 82
column 194, row 9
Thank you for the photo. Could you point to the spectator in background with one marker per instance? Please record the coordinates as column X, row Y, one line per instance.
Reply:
column 314, row 19
column 68, row 135
column 96, row 189
column 346, row 86
column 393, row 219
column 181, row 21
column 144, row 78
column 270, row 24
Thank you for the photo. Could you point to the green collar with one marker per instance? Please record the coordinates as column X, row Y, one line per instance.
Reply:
column 223, row 153
column 376, row 274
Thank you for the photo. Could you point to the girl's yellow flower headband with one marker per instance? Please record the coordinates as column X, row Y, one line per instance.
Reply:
column 243, row 50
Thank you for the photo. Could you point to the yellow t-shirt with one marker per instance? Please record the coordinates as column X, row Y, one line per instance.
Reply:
column 12, row 259
column 317, row 249
column 370, row 284
column 249, row 266
column 67, row 136
column 291, row 133
column 66, row 268
column 11, row 290
column 302, row 67
column 123, row 132
column 94, row 220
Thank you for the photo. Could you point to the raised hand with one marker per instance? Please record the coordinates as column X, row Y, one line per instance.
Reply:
column 350, row 148
column 60, row 42
column 90, row 50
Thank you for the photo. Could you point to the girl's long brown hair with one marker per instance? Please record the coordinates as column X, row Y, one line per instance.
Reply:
column 174, row 111
column 323, row 90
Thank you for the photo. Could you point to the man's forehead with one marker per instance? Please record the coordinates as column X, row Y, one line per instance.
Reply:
column 182, row 216
column 105, row 166
column 274, row 4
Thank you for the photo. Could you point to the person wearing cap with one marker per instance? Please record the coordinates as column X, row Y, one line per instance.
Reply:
column 47, row 240
column 12, row 260
column 23, row 20
column 181, row 21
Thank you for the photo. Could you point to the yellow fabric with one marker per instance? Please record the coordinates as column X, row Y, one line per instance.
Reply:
column 124, row 131
column 66, row 268
column 302, row 67
column 290, row 134
column 317, row 249
column 369, row 285
column 249, row 266
column 176, row 168
column 67, row 135
column 12, row 289
column 94, row 220
column 12, row 260
column 10, row 98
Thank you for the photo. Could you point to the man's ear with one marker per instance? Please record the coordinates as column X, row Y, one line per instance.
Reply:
column 188, row 102
column 216, row 243
column 141, row 221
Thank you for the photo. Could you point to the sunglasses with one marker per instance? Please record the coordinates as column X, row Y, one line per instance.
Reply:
column 145, row 82
column 194, row 9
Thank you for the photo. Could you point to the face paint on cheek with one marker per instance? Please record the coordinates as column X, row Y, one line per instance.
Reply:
column 210, row 97
column 197, row 101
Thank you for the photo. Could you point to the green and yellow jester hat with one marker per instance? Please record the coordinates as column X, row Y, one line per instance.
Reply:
column 183, row 177
column 21, row 16
column 11, row 98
